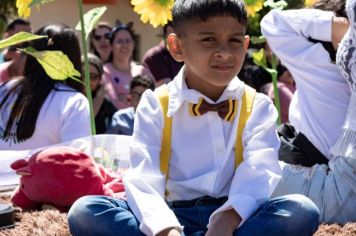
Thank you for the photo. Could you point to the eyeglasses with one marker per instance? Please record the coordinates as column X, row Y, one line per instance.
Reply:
column 123, row 41
column 94, row 76
column 99, row 37
column 136, row 95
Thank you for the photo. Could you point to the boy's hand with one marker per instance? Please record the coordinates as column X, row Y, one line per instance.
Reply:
column 169, row 232
column 224, row 223
column 339, row 27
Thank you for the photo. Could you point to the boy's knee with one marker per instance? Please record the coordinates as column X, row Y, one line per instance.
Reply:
column 304, row 211
column 81, row 216
column 78, row 209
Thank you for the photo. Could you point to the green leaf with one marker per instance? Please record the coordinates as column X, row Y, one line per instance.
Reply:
column 55, row 63
column 91, row 18
column 37, row 2
column 276, row 5
column 258, row 40
column 19, row 37
column 259, row 58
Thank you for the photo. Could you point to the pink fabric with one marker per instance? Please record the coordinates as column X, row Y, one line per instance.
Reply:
column 4, row 75
column 117, row 83
column 285, row 96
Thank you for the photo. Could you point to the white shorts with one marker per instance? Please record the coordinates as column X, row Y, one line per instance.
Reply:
column 332, row 189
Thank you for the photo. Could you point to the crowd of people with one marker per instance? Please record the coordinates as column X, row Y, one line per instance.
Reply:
column 112, row 70
column 207, row 155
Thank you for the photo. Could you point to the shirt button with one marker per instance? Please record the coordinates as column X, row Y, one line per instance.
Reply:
column 220, row 150
column 210, row 178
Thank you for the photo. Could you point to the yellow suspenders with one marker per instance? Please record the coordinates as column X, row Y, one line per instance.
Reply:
column 161, row 94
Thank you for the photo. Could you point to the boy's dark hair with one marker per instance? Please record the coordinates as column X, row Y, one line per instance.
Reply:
column 336, row 6
column 35, row 87
column 142, row 80
column 169, row 24
column 185, row 11
column 17, row 21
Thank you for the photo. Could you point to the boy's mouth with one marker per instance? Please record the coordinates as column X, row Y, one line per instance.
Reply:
column 222, row 67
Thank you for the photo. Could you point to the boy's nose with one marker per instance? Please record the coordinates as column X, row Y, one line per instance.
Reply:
column 223, row 54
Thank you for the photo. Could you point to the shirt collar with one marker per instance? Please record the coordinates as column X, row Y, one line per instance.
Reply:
column 180, row 93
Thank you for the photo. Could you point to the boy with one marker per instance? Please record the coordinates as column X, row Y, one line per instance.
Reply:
column 123, row 120
column 204, row 193
column 318, row 108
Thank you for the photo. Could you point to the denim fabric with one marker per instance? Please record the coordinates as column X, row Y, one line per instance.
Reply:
column 100, row 215
column 287, row 215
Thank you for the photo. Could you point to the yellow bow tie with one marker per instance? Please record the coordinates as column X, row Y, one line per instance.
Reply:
column 226, row 109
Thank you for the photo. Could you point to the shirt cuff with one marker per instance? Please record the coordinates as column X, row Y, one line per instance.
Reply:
column 155, row 223
column 243, row 204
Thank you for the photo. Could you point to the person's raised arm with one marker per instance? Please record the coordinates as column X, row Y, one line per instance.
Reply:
column 289, row 32
column 298, row 38
column 339, row 27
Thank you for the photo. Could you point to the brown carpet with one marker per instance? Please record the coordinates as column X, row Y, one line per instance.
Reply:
column 52, row 222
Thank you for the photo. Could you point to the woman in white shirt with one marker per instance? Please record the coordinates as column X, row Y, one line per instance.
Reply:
column 319, row 107
column 35, row 110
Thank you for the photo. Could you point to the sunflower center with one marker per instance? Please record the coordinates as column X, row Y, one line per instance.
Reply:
column 251, row 2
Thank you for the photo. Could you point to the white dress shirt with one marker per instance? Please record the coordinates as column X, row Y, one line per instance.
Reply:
column 319, row 105
column 202, row 156
column 64, row 116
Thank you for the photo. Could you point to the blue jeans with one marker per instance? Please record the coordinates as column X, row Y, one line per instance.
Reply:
column 286, row 215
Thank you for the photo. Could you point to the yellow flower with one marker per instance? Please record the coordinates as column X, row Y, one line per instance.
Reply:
column 23, row 8
column 157, row 12
column 253, row 6
column 309, row 3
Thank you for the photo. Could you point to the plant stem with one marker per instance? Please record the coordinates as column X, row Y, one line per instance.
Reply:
column 275, row 88
column 86, row 67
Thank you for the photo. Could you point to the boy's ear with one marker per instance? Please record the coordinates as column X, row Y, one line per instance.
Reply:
column 175, row 47
column 247, row 42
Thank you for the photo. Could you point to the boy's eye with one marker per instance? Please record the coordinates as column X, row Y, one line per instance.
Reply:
column 235, row 40
column 208, row 39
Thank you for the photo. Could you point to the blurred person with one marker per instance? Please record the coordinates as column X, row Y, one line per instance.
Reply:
column 99, row 41
column 120, row 69
column 103, row 109
column 123, row 120
column 14, row 60
column 15, row 26
column 37, row 111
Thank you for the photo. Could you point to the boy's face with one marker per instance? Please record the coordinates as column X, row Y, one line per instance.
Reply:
column 213, row 52
column 135, row 94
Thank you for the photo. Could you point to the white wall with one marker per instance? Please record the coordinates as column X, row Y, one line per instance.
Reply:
column 66, row 11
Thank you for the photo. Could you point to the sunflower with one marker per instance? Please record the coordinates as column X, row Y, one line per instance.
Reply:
column 253, row 6
column 23, row 8
column 157, row 12
column 309, row 3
